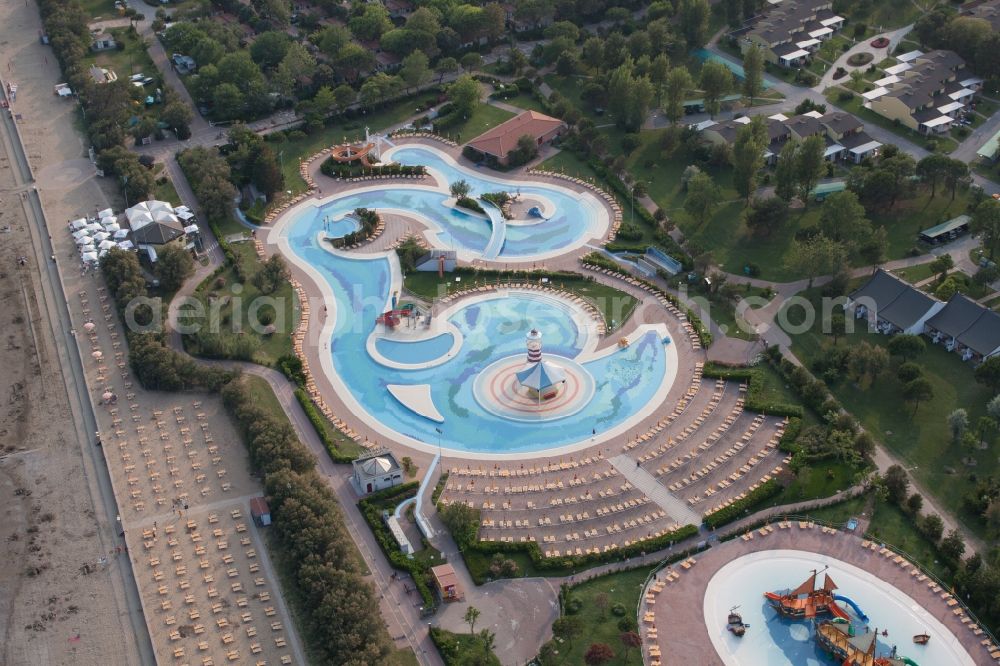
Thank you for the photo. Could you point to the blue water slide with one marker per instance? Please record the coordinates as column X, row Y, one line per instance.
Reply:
column 857, row 609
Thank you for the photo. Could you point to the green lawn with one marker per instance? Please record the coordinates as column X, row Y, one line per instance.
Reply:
column 918, row 436
column 482, row 119
column 100, row 9
column 455, row 648
column 887, row 14
column 837, row 514
column 165, row 190
column 944, row 144
column 966, row 285
column 615, row 305
column 568, row 163
column 723, row 312
column 221, row 294
column 133, row 59
column 915, row 274
column 894, row 527
column 602, row 626
column 402, row 657
column 525, row 101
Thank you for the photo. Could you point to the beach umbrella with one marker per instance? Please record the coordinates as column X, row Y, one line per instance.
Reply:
column 107, row 396
column 97, row 355
column 89, row 257
column 89, row 326
column 107, row 244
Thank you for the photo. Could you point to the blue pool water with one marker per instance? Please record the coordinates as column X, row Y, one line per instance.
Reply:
column 574, row 217
column 627, row 379
column 420, row 351
column 773, row 640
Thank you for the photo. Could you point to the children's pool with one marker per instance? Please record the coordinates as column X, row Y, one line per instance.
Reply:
column 774, row 641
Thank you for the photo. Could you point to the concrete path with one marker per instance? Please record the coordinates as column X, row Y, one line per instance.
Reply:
column 654, row 490
column 894, row 37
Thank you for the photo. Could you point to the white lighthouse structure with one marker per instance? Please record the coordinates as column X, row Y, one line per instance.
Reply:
column 541, row 379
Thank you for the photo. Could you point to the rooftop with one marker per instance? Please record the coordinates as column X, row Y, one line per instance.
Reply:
column 503, row 138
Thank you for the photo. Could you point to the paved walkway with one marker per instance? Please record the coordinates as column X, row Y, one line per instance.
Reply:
column 894, row 37
column 654, row 490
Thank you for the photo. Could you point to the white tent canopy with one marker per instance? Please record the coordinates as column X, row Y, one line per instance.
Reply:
column 101, row 235
column 79, row 224
column 89, row 257
column 121, row 234
column 126, row 245
column 107, row 212
column 107, row 244
column 148, row 212
column 84, row 240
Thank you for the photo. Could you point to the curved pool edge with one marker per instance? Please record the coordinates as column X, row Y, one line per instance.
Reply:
column 457, row 340
column 737, row 566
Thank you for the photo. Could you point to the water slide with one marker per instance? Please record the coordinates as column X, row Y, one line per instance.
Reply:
column 499, row 234
column 909, row 662
column 857, row 609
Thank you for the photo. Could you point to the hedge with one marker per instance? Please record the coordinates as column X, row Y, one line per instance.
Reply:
column 736, row 510
column 456, row 648
column 567, row 562
column 334, row 169
column 470, row 204
column 388, row 499
column 318, row 422
column 755, row 380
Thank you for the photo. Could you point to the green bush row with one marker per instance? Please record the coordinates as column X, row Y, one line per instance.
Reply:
column 569, row 562
column 334, row 169
column 755, row 401
column 319, row 424
column 388, row 499
column 736, row 510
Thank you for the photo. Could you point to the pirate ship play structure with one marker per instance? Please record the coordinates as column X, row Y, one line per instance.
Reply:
column 807, row 601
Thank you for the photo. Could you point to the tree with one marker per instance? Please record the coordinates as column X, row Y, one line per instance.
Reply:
column 295, row 68
column 914, row 503
column 753, row 73
column 952, row 547
column 917, row 391
column 874, row 247
column 465, row 94
column 271, row 275
column 351, row 60
column 693, row 17
column 931, row 170
column 143, row 129
column 842, row 218
column 942, row 265
column 988, row 374
column 896, row 483
column 902, row 167
column 266, row 172
column 567, row 628
column 173, row 265
column 817, row 255
column 748, row 156
column 445, row 66
column 866, row 361
column 786, row 172
column 470, row 617
column 931, row 526
column 986, row 428
column 958, row 422
column 379, row 88
column 986, row 225
column 460, row 189
column 716, row 80
column 907, row 372
column 675, row 88
column 177, row 115
column 809, row 165
column 630, row 640
column 227, row 102
column 764, row 216
column 270, row 47
column 526, row 150
column 471, row 61
column 956, row 173
column 415, row 70
column 906, row 346
column 702, row 197
column 371, row 22
column 598, row 653
column 488, row 640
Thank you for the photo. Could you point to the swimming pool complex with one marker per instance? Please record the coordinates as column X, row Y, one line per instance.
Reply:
column 363, row 361
column 775, row 641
